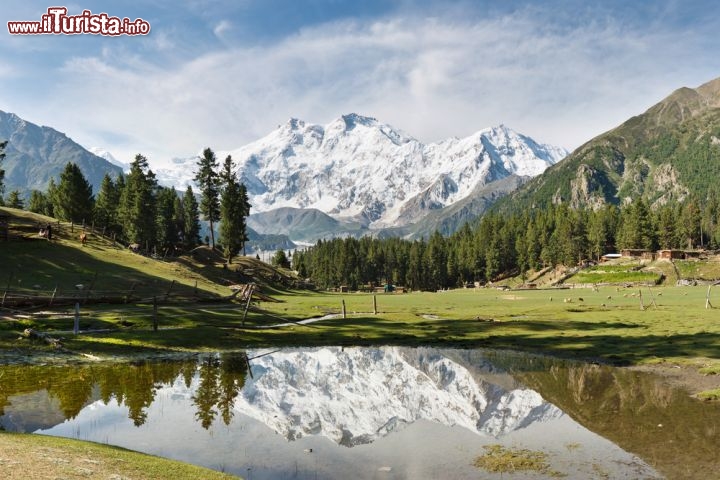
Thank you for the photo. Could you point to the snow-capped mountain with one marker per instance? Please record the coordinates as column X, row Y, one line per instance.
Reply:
column 361, row 169
column 102, row 153
column 355, row 395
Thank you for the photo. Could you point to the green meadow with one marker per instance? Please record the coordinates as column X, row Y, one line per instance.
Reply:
column 617, row 324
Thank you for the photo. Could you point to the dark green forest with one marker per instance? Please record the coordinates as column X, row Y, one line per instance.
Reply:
column 504, row 244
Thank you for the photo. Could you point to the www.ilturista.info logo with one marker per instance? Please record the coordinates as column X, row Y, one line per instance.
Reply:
column 57, row 22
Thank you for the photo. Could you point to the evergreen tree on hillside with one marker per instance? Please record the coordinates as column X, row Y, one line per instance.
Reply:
column 667, row 228
column 167, row 228
column 191, row 222
column 636, row 226
column 38, row 202
column 234, row 208
column 51, row 197
column 207, row 179
column 690, row 226
column 280, row 259
column 73, row 199
column 138, row 204
column 105, row 214
column 14, row 200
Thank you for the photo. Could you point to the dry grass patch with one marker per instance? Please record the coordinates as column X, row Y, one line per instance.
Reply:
column 498, row 459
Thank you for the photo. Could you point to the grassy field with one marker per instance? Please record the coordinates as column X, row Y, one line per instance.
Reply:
column 580, row 323
column 626, row 272
column 37, row 456
column 606, row 324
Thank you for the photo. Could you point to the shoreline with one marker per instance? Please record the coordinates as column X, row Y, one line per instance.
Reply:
column 683, row 376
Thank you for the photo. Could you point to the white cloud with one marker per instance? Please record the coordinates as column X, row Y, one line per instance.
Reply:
column 221, row 28
column 433, row 78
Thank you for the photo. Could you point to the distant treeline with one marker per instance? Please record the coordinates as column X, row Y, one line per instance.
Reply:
column 511, row 244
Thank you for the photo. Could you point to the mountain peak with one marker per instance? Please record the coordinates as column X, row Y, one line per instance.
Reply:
column 352, row 119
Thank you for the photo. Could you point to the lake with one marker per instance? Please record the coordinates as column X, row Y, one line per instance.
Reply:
column 377, row 413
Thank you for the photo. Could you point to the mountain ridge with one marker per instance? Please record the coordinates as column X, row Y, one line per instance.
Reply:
column 368, row 174
column 35, row 154
column 668, row 153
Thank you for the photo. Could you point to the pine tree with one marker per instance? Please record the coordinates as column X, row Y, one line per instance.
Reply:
column 280, row 259
column 51, row 198
column 234, row 208
column 191, row 221
column 38, row 202
column 138, row 204
column 73, row 199
column 14, row 200
column 105, row 213
column 167, row 232
column 207, row 179
column 667, row 228
column 436, row 261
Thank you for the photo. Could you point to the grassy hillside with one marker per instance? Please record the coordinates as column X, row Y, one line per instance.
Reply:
column 33, row 264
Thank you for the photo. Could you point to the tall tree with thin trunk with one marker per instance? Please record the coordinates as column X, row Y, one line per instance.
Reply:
column 208, row 181
column 138, row 204
column 105, row 213
column 234, row 208
column 167, row 231
column 191, row 220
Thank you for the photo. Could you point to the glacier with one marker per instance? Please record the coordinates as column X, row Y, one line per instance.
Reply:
column 357, row 168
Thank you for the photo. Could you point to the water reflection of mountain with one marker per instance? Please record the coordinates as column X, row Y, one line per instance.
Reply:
column 355, row 395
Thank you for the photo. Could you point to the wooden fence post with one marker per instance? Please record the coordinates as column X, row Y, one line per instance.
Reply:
column 52, row 299
column 652, row 297
column 344, row 313
column 708, row 305
column 167, row 295
column 129, row 295
column 247, row 304
column 374, row 304
column 12, row 273
column 92, row 284
column 76, row 326
column 642, row 305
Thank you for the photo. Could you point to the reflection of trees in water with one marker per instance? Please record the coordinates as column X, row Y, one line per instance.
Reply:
column 133, row 385
column 676, row 434
column 220, row 382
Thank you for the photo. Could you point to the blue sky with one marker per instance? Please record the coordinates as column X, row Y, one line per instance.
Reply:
column 223, row 73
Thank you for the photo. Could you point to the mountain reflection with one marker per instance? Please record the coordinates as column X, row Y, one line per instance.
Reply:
column 355, row 395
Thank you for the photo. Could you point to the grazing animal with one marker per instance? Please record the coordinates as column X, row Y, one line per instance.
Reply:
column 83, row 238
column 135, row 247
column 609, row 297
column 581, row 299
